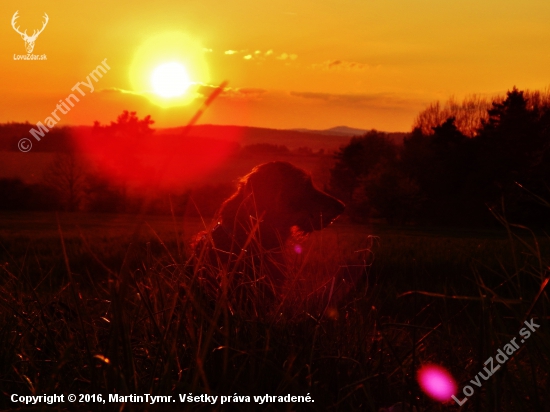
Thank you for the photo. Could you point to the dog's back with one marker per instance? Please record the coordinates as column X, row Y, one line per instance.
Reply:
column 244, row 250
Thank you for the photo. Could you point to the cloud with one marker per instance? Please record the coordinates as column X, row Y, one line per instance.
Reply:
column 206, row 89
column 380, row 100
column 350, row 98
column 285, row 56
column 232, row 93
column 202, row 91
column 114, row 90
column 206, row 50
column 347, row 65
column 250, row 91
column 260, row 56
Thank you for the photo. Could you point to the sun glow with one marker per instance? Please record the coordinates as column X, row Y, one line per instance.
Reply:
column 169, row 68
column 170, row 80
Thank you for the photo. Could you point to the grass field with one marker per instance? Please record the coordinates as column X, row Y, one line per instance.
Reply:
column 117, row 309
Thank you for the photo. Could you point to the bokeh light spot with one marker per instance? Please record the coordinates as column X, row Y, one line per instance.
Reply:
column 436, row 382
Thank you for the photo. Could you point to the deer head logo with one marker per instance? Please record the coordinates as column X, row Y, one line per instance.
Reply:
column 29, row 40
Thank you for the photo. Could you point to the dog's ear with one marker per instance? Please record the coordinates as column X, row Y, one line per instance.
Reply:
column 259, row 193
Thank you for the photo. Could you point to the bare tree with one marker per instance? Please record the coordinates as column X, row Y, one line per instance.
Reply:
column 468, row 115
column 66, row 176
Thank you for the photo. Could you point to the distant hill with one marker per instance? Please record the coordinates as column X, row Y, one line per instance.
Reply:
column 257, row 145
column 336, row 131
column 293, row 139
column 349, row 132
column 327, row 140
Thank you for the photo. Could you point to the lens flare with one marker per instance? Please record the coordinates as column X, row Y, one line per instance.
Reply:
column 436, row 382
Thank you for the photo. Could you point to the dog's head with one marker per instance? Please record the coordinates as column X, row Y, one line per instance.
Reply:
column 282, row 196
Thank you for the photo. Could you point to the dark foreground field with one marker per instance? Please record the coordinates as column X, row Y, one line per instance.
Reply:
column 103, row 304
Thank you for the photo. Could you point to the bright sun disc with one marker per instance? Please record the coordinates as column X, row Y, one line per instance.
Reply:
column 169, row 68
column 170, row 80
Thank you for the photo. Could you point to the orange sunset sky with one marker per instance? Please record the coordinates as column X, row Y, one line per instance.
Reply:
column 289, row 64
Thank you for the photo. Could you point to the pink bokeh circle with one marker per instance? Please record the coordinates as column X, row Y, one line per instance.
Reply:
column 436, row 382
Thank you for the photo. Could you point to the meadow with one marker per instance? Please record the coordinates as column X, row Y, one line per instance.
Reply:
column 111, row 304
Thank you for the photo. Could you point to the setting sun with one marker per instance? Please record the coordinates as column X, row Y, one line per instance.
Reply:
column 170, row 80
column 306, row 205
column 168, row 68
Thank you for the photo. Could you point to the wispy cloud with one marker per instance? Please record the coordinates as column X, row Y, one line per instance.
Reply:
column 202, row 91
column 115, row 90
column 285, row 56
column 233, row 93
column 347, row 65
column 380, row 100
column 249, row 92
column 260, row 55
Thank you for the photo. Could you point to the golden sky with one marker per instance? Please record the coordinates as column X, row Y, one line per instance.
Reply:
column 289, row 64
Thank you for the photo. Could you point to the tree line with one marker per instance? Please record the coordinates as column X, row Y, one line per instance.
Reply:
column 460, row 164
column 66, row 186
column 70, row 184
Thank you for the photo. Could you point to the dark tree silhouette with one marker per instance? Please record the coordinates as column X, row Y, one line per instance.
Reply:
column 102, row 196
column 66, row 176
column 514, row 150
column 16, row 195
column 468, row 115
column 445, row 167
column 126, row 125
column 462, row 176
column 511, row 139
column 388, row 193
column 356, row 160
